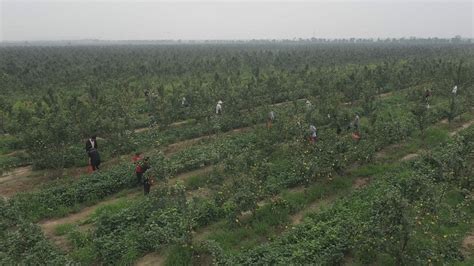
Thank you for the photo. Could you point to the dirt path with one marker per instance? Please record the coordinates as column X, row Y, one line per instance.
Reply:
column 151, row 259
column 468, row 245
column 49, row 226
column 361, row 182
column 383, row 152
column 315, row 206
column 181, row 145
column 364, row 181
column 462, row 127
column 19, row 179
column 140, row 130
column 409, row 157
column 185, row 176
column 13, row 153
column 24, row 179
column 385, row 95
column 174, row 124
column 15, row 173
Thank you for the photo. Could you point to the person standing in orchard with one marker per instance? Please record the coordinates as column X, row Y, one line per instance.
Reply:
column 356, row 133
column 93, row 153
column 219, row 107
column 455, row 90
column 141, row 167
column 148, row 181
column 427, row 98
column 452, row 104
column 91, row 143
column 135, row 160
column 137, row 157
column 313, row 134
column 184, row 102
column 356, row 122
column 270, row 119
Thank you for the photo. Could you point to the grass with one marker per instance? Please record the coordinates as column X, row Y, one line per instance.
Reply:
column 179, row 255
column 84, row 255
column 64, row 229
column 8, row 143
column 435, row 136
column 273, row 218
column 110, row 209
column 84, row 251
column 195, row 182
column 270, row 220
column 372, row 169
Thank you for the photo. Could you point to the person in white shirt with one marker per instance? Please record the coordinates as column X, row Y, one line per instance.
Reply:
column 314, row 135
column 91, row 143
column 271, row 118
column 219, row 108
column 455, row 90
column 356, row 122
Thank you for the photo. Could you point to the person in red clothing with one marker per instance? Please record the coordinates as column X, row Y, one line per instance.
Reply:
column 138, row 169
column 141, row 167
column 356, row 135
column 137, row 157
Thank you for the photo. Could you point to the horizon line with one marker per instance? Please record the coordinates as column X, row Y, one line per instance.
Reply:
column 246, row 39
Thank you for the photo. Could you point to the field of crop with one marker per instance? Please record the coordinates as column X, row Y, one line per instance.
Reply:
column 230, row 189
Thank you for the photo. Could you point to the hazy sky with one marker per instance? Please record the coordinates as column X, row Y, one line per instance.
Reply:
column 260, row 19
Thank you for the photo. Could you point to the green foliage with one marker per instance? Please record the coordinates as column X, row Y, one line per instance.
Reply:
column 23, row 242
column 396, row 220
column 394, row 125
column 63, row 229
column 110, row 92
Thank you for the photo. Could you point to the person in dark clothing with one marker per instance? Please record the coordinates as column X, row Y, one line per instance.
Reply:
column 427, row 94
column 93, row 153
column 94, row 159
column 148, row 181
column 141, row 168
column 91, row 143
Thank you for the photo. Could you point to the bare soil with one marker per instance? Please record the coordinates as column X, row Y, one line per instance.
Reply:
column 19, row 180
column 139, row 130
column 383, row 152
column 361, row 182
column 48, row 226
column 464, row 126
column 385, row 95
column 24, row 179
column 298, row 217
column 468, row 245
column 185, row 176
column 151, row 259
column 409, row 157
column 181, row 145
